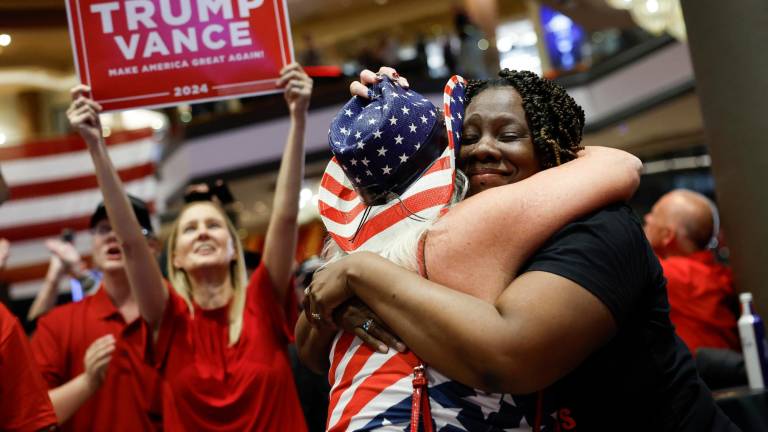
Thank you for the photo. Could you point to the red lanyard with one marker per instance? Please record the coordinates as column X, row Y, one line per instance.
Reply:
column 420, row 401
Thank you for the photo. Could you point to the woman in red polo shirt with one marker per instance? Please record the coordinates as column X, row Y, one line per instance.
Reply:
column 221, row 339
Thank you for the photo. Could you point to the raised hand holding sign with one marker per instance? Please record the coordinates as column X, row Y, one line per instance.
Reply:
column 165, row 52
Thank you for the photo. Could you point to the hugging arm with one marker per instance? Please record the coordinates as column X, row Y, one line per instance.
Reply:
column 496, row 231
column 516, row 220
column 313, row 342
column 541, row 327
column 506, row 329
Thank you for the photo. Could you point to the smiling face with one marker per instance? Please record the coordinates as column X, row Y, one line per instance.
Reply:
column 496, row 145
column 203, row 239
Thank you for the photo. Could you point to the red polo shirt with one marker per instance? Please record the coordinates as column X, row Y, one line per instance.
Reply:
column 129, row 397
column 24, row 403
column 700, row 293
column 212, row 386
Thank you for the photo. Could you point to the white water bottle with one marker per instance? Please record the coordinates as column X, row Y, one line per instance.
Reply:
column 753, row 344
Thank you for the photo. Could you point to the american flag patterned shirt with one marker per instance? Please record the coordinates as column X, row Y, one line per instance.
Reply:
column 372, row 391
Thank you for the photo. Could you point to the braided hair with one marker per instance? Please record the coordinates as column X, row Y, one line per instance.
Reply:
column 555, row 120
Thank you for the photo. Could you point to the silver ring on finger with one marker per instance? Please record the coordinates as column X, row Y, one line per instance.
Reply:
column 367, row 325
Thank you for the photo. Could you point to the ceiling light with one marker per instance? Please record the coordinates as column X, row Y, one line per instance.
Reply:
column 506, row 43
column 5, row 39
column 655, row 16
column 652, row 15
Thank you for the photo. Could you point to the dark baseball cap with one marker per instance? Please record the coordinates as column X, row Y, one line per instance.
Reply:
column 140, row 209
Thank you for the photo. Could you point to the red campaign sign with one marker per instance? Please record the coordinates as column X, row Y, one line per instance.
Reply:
column 152, row 53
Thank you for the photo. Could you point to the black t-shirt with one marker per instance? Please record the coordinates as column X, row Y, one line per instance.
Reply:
column 644, row 379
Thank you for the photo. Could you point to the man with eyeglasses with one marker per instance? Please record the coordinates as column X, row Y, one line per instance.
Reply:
column 92, row 353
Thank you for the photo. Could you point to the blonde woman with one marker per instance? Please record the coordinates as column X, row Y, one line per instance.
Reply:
column 220, row 338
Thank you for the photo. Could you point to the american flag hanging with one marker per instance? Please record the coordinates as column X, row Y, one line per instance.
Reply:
column 53, row 186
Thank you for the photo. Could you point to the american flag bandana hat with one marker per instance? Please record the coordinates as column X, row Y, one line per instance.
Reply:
column 391, row 163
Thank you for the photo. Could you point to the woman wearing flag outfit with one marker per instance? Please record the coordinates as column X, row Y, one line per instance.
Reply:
column 220, row 339
column 581, row 328
column 392, row 177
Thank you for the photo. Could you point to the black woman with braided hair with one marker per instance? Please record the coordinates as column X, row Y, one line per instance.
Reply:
column 546, row 108
column 579, row 332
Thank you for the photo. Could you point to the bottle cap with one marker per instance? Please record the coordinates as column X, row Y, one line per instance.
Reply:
column 745, row 297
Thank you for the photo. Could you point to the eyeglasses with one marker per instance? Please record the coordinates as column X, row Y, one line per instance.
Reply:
column 102, row 230
column 106, row 229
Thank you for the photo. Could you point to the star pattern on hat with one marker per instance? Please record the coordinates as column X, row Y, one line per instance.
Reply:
column 402, row 157
column 392, row 116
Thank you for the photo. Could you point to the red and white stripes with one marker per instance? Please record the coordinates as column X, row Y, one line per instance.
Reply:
column 53, row 186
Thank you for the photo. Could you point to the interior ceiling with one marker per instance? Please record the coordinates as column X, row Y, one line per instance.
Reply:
column 41, row 40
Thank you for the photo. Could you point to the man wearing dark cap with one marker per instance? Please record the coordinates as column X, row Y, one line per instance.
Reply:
column 66, row 261
column 91, row 353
